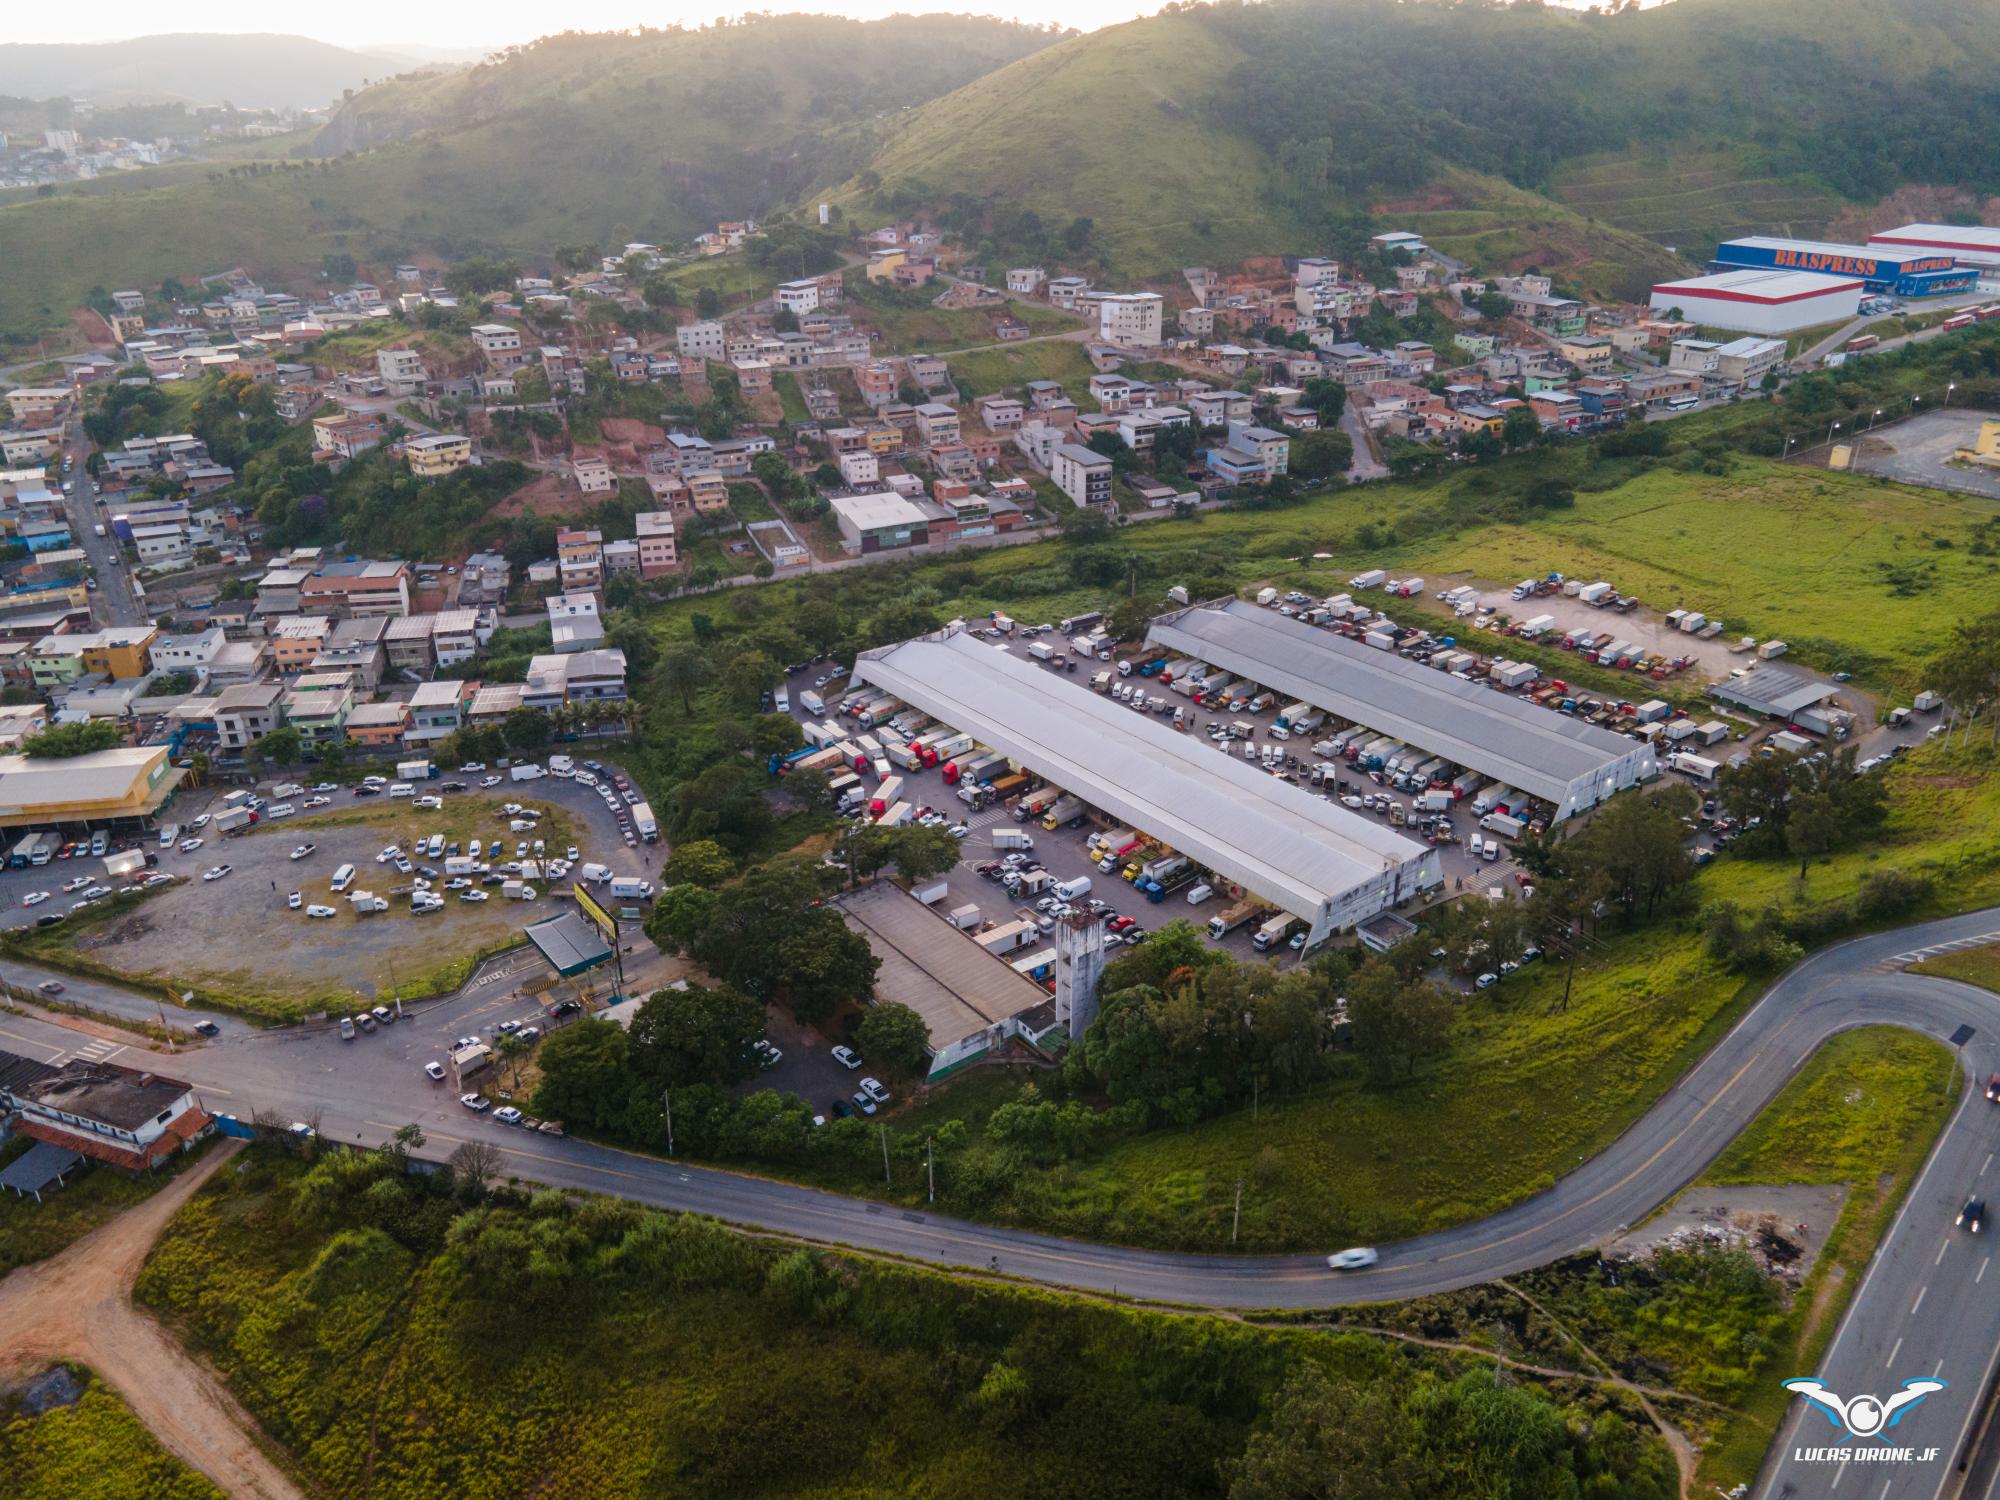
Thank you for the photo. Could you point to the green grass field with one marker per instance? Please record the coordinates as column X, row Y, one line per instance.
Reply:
column 909, row 324
column 1979, row 966
column 1839, row 566
column 94, row 1449
column 989, row 371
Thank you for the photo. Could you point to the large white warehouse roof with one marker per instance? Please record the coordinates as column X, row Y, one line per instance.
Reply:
column 1548, row 755
column 1319, row 861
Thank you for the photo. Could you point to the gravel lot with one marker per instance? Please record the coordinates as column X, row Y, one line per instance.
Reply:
column 238, row 935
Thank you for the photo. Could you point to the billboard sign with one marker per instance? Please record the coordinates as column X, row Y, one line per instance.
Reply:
column 590, row 907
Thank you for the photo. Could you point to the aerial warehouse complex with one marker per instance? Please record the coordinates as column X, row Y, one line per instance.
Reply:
column 1326, row 866
column 1899, row 272
column 1563, row 761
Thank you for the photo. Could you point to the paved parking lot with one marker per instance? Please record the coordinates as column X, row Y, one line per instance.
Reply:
column 1919, row 452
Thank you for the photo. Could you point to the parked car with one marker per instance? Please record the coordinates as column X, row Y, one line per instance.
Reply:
column 874, row 1090
column 474, row 1102
column 507, row 1115
column 295, row 900
column 216, row 872
column 847, row 1057
column 434, row 1071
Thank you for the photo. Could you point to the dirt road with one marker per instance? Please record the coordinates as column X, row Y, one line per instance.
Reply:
column 78, row 1305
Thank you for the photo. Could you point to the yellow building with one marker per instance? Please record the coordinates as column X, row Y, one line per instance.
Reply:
column 103, row 786
column 437, row 454
column 120, row 651
column 882, row 264
column 1986, row 451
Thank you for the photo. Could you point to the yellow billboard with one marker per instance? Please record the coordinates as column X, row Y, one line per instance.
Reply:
column 606, row 923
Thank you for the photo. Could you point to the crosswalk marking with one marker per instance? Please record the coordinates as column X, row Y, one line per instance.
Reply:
column 1918, row 955
column 100, row 1049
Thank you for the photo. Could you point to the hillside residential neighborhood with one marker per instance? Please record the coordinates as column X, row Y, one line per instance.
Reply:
column 1244, row 753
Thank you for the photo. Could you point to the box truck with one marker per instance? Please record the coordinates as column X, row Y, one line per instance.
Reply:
column 1504, row 824
column 1373, row 578
column 1061, row 811
column 812, row 703
column 645, row 822
column 627, row 888
column 1008, row 937
column 885, row 796
column 1012, row 838
column 1273, row 932
column 1698, row 767
column 1032, row 805
column 1220, row 927
column 899, row 815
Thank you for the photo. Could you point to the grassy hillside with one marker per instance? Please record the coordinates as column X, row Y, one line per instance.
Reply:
column 401, row 1339
column 1692, row 200
column 1108, row 126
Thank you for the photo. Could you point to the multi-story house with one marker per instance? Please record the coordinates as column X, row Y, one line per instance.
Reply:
column 436, row 710
column 580, row 560
column 1130, row 319
column 244, row 714
column 1082, row 474
column 658, row 552
column 437, row 453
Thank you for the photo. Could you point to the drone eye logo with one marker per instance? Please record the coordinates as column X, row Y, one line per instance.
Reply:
column 1865, row 1416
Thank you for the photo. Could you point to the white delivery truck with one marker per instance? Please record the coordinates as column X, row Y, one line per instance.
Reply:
column 1012, row 838
column 624, row 888
column 1273, row 932
column 812, row 703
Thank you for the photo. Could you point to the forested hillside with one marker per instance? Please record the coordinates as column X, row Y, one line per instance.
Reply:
column 1249, row 123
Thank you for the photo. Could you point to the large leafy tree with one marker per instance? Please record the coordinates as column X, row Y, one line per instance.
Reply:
column 696, row 1035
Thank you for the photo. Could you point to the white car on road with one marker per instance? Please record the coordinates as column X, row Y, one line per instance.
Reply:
column 321, row 912
column 295, row 900
column 34, row 898
column 1357, row 1259
column 215, row 872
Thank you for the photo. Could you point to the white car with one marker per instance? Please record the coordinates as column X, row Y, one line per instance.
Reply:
column 34, row 898
column 322, row 912
column 303, row 851
column 473, row 1102
column 874, row 1090
column 472, row 895
column 318, row 801
column 325, row 786
column 507, row 1115
column 465, row 1041
column 489, row 781
column 428, row 802
column 188, row 846
column 434, row 1071
column 392, row 852
column 200, row 822
column 1357, row 1259
column 847, row 1057
column 71, row 887
column 215, row 872
column 295, row 900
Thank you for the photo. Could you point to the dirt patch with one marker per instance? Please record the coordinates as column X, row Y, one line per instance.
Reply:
column 544, row 495
column 78, row 1306
column 1910, row 205
column 1784, row 1227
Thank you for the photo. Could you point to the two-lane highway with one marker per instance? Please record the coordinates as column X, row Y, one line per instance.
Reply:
column 1929, row 1306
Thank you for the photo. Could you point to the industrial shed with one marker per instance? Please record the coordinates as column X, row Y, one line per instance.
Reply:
column 1773, row 692
column 1761, row 301
column 1323, row 864
column 1555, row 757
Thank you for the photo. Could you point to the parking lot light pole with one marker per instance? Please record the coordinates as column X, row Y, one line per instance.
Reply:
column 1948, row 390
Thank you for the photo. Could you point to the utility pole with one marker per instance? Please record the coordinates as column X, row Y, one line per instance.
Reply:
column 1236, row 1218
column 885, row 1152
column 930, row 1169
column 667, row 1102
column 163, row 1024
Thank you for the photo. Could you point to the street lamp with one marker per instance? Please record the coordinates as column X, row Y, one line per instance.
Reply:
column 1913, row 402
column 1831, row 431
column 1947, row 392
column 1874, row 419
column 1788, row 448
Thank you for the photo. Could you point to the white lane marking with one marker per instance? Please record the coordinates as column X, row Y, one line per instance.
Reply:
column 1885, row 1489
column 1890, row 1362
column 1940, row 1255
column 1985, row 1164
column 1938, row 1370
column 1920, row 1299
column 1839, row 1473
column 1982, row 1269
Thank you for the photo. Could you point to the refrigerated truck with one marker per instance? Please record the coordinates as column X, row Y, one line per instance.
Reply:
column 812, row 703
column 645, row 822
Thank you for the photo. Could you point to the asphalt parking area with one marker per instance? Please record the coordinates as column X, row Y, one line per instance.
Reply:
column 1919, row 452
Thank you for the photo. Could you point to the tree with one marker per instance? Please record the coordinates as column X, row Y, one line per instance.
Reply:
column 583, row 1074
column 1396, row 1022
column 894, row 1038
column 61, row 741
column 696, row 1035
column 1327, row 1440
column 475, row 1164
column 281, row 747
column 683, row 669
column 707, row 303
column 702, row 862
column 1813, row 829
column 527, row 729
column 824, row 968
column 1967, row 671
column 1520, row 427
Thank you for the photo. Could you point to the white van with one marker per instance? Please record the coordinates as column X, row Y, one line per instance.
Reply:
column 1200, row 894
column 343, row 878
column 401, row 789
column 1069, row 890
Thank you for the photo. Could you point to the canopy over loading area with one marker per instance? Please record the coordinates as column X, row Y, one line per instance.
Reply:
column 1558, row 758
column 1321, row 863
column 570, row 942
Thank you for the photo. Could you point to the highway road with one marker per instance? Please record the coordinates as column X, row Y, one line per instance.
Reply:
column 1923, row 1310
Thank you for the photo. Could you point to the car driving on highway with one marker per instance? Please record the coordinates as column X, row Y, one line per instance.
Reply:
column 1357, row 1259
column 1972, row 1215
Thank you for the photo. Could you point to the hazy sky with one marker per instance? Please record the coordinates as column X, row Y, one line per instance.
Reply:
column 373, row 24
column 475, row 23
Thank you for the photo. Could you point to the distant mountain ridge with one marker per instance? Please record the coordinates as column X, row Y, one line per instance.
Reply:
column 251, row 71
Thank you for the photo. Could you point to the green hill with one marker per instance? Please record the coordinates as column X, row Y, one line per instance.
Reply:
column 577, row 138
column 1512, row 134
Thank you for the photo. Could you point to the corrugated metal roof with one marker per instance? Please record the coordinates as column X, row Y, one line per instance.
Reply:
column 929, row 965
column 1282, row 843
column 1494, row 733
column 1774, row 690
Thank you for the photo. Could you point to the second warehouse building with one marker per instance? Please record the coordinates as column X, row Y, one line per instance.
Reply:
column 1556, row 757
column 1321, row 863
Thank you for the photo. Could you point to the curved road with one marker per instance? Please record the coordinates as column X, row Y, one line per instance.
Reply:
column 1923, row 1310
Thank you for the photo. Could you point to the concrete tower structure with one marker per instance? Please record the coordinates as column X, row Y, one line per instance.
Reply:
column 1079, row 971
